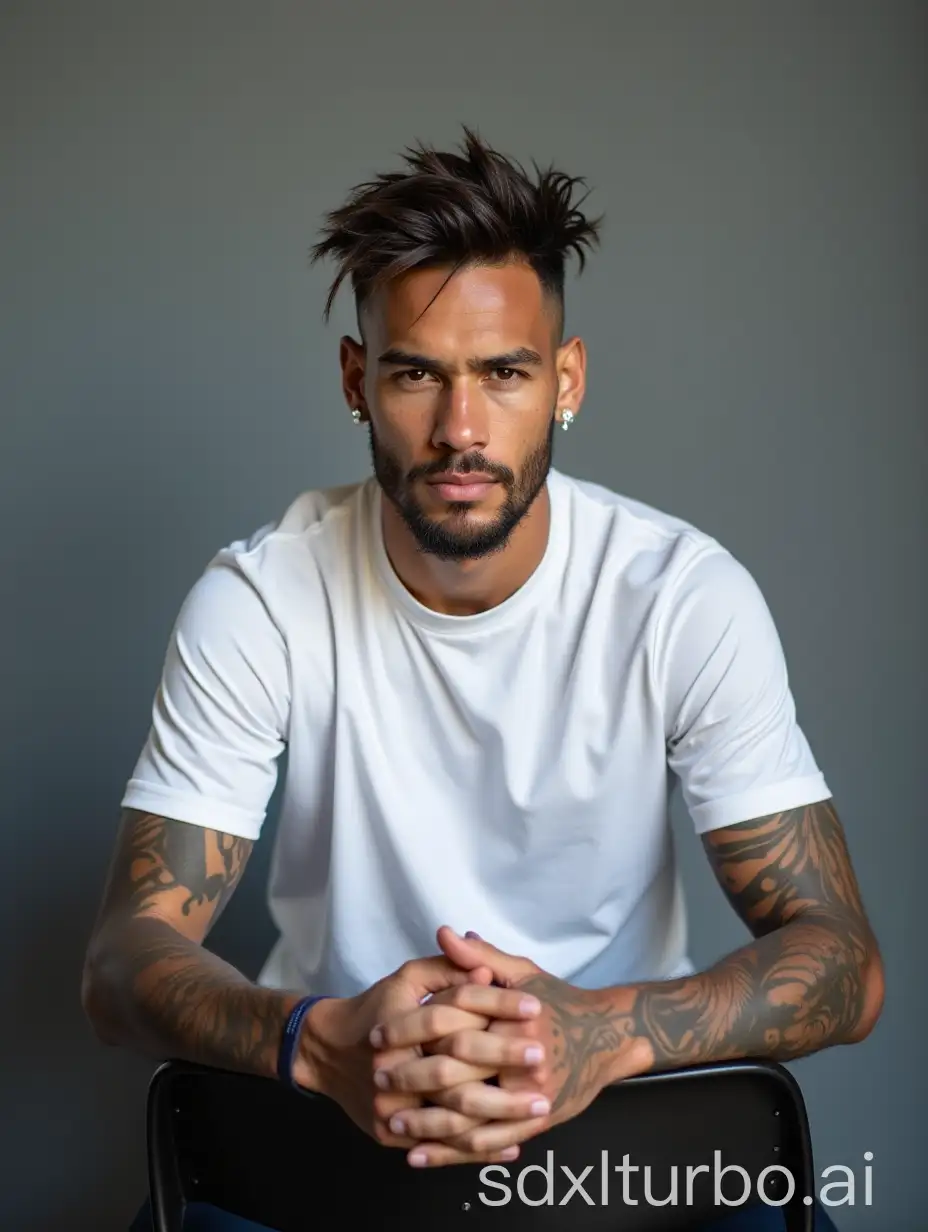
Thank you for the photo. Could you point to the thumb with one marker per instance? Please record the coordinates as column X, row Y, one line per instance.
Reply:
column 471, row 951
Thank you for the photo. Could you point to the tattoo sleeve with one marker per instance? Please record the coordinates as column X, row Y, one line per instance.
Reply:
column 806, row 981
column 149, row 982
column 810, row 979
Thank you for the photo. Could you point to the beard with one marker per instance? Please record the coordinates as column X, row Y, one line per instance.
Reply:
column 458, row 537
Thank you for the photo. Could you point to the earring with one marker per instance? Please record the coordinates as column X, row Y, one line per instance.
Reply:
column 356, row 415
column 567, row 418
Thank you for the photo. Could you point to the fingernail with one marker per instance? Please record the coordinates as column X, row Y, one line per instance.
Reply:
column 472, row 936
column 418, row 1159
column 376, row 1037
column 540, row 1107
column 381, row 1079
column 509, row 1152
column 534, row 1054
column 529, row 1005
column 398, row 1125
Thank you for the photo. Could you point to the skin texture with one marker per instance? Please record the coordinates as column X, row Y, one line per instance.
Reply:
column 811, row 979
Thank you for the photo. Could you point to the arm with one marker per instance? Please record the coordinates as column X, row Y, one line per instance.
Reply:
column 151, row 985
column 813, row 976
column 219, row 724
column 220, row 721
column 149, row 982
column 811, row 979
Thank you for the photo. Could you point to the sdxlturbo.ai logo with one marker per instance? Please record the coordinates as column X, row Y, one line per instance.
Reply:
column 731, row 1184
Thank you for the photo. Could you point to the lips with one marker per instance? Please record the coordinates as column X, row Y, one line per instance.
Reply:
column 462, row 487
column 461, row 480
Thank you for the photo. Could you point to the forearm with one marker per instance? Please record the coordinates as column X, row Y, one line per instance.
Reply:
column 811, row 979
column 149, row 988
column 803, row 987
column 810, row 984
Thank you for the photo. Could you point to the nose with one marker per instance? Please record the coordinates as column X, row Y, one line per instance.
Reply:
column 461, row 420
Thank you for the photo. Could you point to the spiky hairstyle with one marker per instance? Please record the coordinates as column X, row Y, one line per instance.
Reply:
column 456, row 209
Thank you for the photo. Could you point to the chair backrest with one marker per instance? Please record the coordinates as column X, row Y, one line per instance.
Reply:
column 256, row 1149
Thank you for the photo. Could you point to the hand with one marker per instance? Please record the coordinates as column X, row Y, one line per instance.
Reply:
column 585, row 1034
column 447, row 1055
column 336, row 1057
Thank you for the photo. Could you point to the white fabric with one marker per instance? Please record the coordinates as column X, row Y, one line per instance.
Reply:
column 507, row 772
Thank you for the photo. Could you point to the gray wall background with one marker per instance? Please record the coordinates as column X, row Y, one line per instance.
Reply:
column 757, row 324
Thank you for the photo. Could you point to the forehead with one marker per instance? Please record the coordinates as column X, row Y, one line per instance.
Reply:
column 435, row 311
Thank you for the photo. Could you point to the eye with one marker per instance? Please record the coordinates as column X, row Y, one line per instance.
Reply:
column 508, row 376
column 412, row 376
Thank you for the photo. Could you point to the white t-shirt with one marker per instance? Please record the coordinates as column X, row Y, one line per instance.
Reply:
column 507, row 772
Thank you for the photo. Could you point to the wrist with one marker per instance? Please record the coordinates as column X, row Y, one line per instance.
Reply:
column 313, row 1061
column 633, row 1053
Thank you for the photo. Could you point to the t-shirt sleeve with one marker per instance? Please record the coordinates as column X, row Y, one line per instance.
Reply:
column 220, row 714
column 733, row 740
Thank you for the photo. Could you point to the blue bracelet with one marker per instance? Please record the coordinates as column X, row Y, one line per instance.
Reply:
column 291, row 1038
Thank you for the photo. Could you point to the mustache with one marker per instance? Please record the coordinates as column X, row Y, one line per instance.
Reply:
column 469, row 464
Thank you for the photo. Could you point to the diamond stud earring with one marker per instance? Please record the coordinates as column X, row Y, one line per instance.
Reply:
column 356, row 415
column 567, row 418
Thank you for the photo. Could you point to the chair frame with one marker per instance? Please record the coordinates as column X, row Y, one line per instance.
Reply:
column 172, row 1184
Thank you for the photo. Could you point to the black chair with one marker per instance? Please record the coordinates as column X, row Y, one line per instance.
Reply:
column 289, row 1161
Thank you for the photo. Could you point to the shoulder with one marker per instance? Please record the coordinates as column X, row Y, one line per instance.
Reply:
column 304, row 524
column 309, row 532
column 648, row 546
column 262, row 577
column 684, row 590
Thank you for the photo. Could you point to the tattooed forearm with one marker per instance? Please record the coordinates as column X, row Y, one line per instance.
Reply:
column 172, row 998
column 799, row 989
column 811, row 978
column 806, row 983
column 149, row 982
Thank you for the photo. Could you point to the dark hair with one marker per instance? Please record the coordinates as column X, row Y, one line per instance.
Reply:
column 456, row 209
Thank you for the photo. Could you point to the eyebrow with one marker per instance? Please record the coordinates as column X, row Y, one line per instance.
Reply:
column 521, row 357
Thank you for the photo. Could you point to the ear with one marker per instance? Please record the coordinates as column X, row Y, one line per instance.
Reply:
column 571, row 376
column 353, row 364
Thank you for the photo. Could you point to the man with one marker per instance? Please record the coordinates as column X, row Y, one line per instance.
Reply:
column 485, row 674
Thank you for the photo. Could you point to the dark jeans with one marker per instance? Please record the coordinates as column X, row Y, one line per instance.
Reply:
column 748, row 1219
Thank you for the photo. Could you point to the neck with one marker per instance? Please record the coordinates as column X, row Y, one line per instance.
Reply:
column 468, row 587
